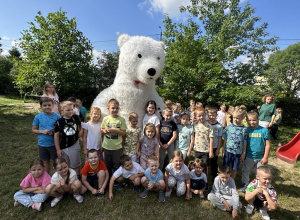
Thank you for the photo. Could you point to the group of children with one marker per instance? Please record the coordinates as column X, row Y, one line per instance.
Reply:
column 125, row 155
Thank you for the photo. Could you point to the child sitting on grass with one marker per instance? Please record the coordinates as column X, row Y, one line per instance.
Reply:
column 261, row 194
column 33, row 192
column 94, row 171
column 198, row 177
column 153, row 179
column 128, row 172
column 224, row 194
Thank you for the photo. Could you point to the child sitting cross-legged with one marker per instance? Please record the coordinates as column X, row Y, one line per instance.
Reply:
column 198, row 177
column 224, row 194
column 94, row 170
column 261, row 194
column 128, row 172
column 153, row 179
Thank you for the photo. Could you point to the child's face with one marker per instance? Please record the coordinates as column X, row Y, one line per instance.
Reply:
column 150, row 132
column 95, row 116
column 179, row 107
column 264, row 178
column 78, row 104
column 47, row 107
column 192, row 103
column 212, row 117
column 167, row 115
column 50, row 89
column 269, row 99
column 134, row 122
column 200, row 116
column 36, row 170
column 198, row 169
column 128, row 165
column 175, row 108
column 93, row 158
column 153, row 166
column 278, row 111
column 185, row 120
column 224, row 177
column 113, row 109
column 62, row 169
column 150, row 109
column 253, row 121
column 237, row 119
column 169, row 105
column 177, row 162
column 223, row 108
column 67, row 111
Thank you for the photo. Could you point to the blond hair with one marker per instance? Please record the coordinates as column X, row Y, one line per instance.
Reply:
column 199, row 105
column 168, row 102
column 132, row 115
column 65, row 104
column 265, row 97
column 264, row 169
column 47, row 85
column 166, row 109
column 94, row 109
column 199, row 110
column 239, row 112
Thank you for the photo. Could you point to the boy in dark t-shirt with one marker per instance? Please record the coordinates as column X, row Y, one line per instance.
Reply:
column 67, row 131
column 168, row 134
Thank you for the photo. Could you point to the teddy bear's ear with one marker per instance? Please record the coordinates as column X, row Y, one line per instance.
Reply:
column 162, row 45
column 122, row 39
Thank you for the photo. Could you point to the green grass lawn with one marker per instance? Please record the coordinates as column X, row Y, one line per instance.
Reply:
column 19, row 148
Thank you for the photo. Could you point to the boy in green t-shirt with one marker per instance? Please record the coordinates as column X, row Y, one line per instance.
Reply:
column 114, row 127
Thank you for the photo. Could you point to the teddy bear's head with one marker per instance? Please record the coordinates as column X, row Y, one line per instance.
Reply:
column 141, row 58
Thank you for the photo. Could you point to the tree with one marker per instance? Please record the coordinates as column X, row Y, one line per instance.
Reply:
column 283, row 74
column 202, row 55
column 54, row 51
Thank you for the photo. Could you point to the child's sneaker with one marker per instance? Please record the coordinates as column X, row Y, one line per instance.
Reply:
column 161, row 197
column 249, row 209
column 264, row 214
column 37, row 206
column 78, row 197
column 136, row 189
column 277, row 142
column 168, row 193
column 16, row 203
column 201, row 196
column 55, row 201
column 144, row 194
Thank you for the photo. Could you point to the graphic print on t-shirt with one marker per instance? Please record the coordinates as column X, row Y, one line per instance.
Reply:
column 112, row 125
column 70, row 128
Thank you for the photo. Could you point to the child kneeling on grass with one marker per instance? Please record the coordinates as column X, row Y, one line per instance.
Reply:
column 261, row 194
column 94, row 170
column 128, row 172
column 64, row 180
column 224, row 194
column 153, row 179
column 33, row 192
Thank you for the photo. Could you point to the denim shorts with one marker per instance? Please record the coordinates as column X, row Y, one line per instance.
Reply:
column 232, row 159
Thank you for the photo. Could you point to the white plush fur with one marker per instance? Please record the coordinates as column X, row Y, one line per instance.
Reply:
column 133, row 96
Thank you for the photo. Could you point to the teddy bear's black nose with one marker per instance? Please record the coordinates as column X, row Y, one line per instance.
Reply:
column 151, row 72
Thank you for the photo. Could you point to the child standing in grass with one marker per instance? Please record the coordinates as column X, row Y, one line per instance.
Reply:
column 198, row 177
column 153, row 179
column 177, row 175
column 92, row 133
column 67, row 132
column 49, row 91
column 274, row 128
column 185, row 138
column 33, row 192
column 224, row 194
column 128, row 172
column 133, row 134
column 64, row 180
column 114, row 127
column 267, row 112
column 151, row 117
column 235, row 142
column 43, row 126
column 221, row 115
column 94, row 171
column 82, row 110
column 148, row 145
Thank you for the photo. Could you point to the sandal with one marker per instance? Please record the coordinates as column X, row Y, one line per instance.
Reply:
column 55, row 201
column 79, row 198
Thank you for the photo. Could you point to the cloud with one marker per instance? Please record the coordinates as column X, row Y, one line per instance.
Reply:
column 96, row 54
column 15, row 43
column 4, row 53
column 117, row 33
column 267, row 55
column 5, row 38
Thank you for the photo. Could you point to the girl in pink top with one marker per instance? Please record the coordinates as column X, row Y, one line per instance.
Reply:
column 33, row 187
column 49, row 91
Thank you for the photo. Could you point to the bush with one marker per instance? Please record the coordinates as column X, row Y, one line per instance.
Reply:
column 291, row 110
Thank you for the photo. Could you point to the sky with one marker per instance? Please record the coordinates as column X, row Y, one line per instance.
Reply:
column 102, row 21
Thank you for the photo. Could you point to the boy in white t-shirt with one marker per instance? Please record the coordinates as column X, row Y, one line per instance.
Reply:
column 128, row 172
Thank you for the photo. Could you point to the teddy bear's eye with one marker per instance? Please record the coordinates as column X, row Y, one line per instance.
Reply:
column 158, row 58
column 139, row 56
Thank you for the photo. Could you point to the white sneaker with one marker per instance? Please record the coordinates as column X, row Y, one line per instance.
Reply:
column 264, row 214
column 168, row 193
column 16, row 203
column 249, row 209
column 201, row 196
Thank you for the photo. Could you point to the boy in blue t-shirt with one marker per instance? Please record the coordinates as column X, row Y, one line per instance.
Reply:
column 235, row 142
column 43, row 126
column 258, row 148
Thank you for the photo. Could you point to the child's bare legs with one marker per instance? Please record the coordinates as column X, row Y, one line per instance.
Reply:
column 233, row 174
column 77, row 169
column 47, row 165
column 137, row 181
column 157, row 187
column 76, row 187
column 101, row 178
column 54, row 191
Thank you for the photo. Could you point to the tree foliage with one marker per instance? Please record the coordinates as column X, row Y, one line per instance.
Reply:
column 283, row 74
column 54, row 51
column 202, row 54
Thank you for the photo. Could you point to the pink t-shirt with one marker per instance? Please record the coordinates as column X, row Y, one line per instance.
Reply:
column 29, row 180
column 55, row 102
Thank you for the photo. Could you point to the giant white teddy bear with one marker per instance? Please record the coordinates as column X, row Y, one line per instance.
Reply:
column 140, row 64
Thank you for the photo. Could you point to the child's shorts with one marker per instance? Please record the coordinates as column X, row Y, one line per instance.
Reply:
column 230, row 158
column 47, row 153
column 91, row 179
column 127, row 181
column 258, row 203
column 72, row 155
column 198, row 184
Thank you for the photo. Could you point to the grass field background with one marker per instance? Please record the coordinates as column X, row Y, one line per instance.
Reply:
column 19, row 147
